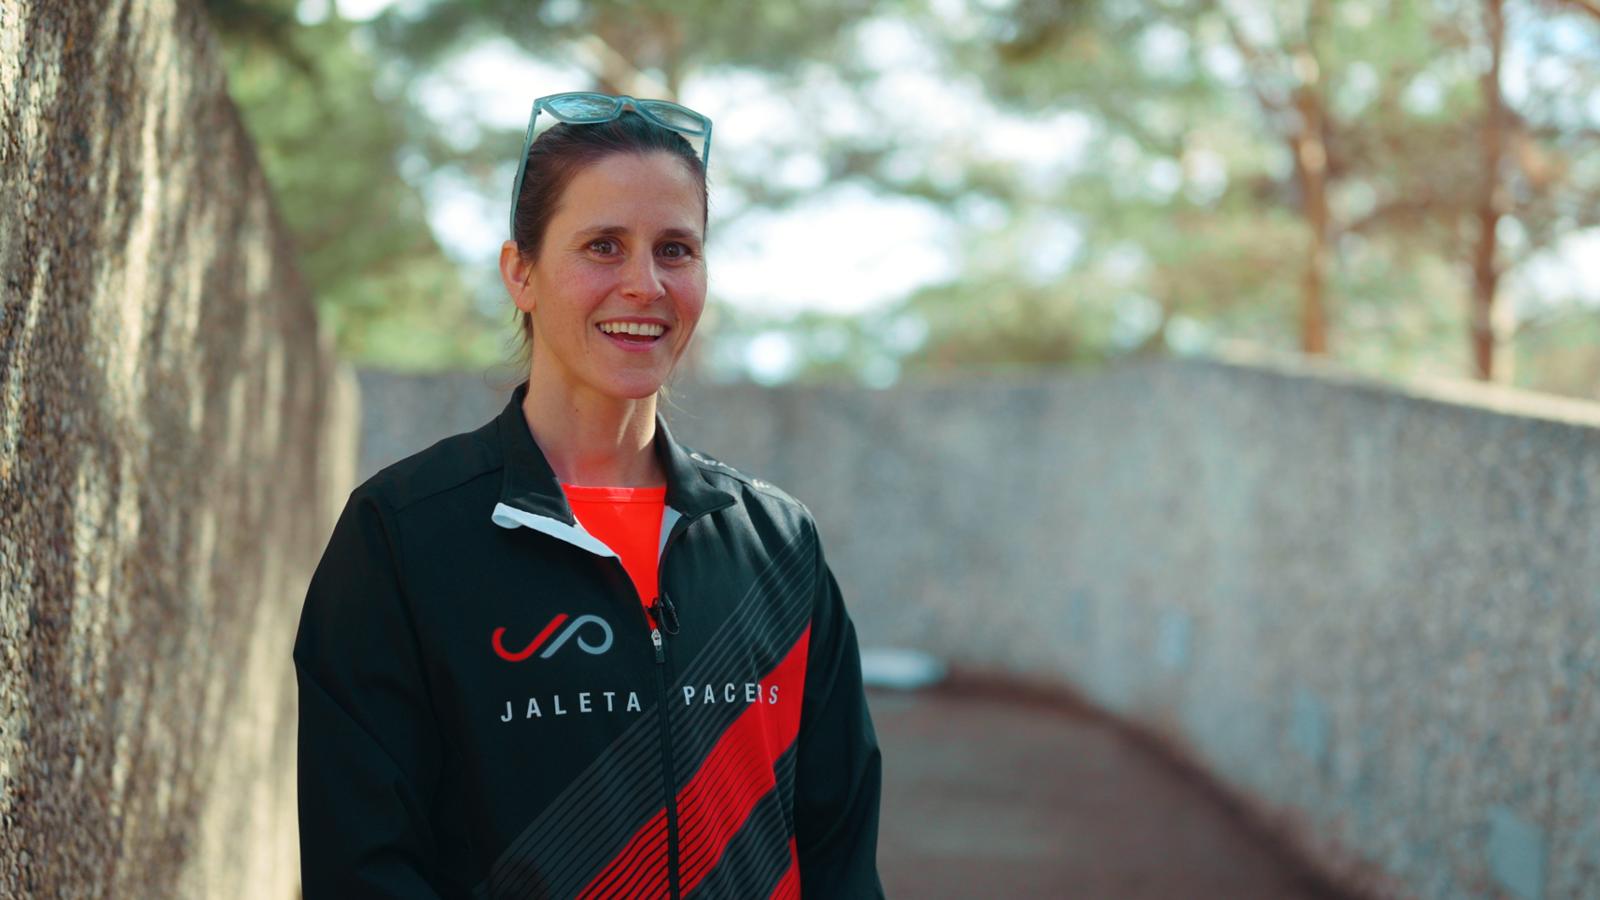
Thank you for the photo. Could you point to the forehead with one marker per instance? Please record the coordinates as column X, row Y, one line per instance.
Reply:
column 653, row 191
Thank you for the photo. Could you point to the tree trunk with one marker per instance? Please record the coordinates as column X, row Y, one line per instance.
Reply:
column 1311, row 169
column 1491, row 199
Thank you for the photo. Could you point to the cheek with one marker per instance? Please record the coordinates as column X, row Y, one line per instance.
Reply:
column 579, row 289
column 690, row 290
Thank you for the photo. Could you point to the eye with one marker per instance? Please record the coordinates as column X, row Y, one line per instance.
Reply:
column 676, row 250
column 604, row 246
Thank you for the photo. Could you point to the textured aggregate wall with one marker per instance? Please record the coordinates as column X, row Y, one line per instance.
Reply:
column 175, row 441
column 1375, row 612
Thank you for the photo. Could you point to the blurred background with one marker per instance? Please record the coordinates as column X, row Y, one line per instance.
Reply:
column 1196, row 401
column 1404, row 186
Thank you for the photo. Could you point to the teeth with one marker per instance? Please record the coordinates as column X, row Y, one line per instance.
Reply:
column 640, row 328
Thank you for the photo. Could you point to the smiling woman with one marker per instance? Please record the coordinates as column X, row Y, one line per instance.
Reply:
column 563, row 655
column 613, row 294
column 653, row 185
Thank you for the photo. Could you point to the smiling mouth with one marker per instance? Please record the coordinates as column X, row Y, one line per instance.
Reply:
column 640, row 333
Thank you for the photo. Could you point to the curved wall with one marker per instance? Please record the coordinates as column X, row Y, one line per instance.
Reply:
column 175, row 439
column 1372, row 610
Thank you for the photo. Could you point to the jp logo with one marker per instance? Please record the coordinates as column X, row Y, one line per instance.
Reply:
column 566, row 634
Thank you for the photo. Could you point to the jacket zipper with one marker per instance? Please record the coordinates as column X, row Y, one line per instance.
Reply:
column 666, row 763
column 662, row 615
column 654, row 618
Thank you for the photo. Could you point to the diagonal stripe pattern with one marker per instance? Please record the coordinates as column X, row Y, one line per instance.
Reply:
column 739, row 770
column 714, row 804
column 614, row 806
column 759, row 861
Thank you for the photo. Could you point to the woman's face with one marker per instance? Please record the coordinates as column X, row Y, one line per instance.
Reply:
column 623, row 253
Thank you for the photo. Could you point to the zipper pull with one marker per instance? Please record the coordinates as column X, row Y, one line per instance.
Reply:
column 655, row 638
column 669, row 613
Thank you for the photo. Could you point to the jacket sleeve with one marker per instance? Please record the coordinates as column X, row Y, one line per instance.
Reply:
column 838, row 767
column 369, row 754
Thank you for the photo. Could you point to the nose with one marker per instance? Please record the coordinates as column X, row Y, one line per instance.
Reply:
column 641, row 281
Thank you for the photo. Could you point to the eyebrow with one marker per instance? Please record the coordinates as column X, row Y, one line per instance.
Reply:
column 598, row 230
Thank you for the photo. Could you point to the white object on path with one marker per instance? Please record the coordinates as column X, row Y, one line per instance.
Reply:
column 899, row 668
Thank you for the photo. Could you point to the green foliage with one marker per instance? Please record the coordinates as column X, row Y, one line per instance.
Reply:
column 1189, row 185
column 1182, row 223
column 1557, row 354
column 329, row 141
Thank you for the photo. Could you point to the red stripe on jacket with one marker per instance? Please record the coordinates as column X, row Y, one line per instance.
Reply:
column 789, row 885
column 718, row 798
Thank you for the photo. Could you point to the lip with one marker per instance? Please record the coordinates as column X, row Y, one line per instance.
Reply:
column 634, row 346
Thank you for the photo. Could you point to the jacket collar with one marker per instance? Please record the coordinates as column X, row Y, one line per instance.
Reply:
column 531, row 495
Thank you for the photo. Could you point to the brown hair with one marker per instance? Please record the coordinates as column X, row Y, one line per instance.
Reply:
column 555, row 159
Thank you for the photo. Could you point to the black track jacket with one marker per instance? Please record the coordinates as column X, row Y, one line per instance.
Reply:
column 488, row 710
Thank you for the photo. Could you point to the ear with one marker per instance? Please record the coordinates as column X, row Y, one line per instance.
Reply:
column 514, row 274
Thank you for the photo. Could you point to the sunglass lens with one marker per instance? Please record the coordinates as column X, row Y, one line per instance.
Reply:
column 676, row 117
column 580, row 108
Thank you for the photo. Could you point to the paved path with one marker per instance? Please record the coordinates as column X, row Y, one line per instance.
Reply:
column 994, row 795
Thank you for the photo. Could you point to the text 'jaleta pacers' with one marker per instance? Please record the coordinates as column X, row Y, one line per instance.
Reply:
column 586, row 702
column 610, row 702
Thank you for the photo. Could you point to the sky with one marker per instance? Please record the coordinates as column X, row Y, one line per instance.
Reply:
column 876, row 249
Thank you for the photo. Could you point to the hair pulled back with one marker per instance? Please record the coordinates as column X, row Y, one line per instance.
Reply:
column 564, row 150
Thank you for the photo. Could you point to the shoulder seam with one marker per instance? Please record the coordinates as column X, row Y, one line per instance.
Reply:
column 712, row 466
column 413, row 501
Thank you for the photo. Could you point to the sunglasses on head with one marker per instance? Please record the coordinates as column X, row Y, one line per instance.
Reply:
column 591, row 108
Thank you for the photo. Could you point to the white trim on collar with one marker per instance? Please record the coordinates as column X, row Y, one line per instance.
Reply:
column 510, row 517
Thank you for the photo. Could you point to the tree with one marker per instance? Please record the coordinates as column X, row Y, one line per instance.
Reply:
column 1396, row 161
column 1362, row 178
column 329, row 141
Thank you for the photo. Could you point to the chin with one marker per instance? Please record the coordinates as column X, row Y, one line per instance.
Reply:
column 633, row 388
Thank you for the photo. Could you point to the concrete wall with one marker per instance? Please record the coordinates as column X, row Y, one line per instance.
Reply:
column 175, row 439
column 1375, row 612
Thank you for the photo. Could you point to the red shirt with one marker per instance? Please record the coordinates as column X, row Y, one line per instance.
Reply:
column 628, row 520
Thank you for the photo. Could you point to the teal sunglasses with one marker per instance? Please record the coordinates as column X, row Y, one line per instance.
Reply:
column 591, row 108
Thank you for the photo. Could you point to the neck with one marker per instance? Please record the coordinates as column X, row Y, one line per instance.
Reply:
column 590, row 438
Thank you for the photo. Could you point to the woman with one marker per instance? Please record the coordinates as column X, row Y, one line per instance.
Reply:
column 563, row 655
